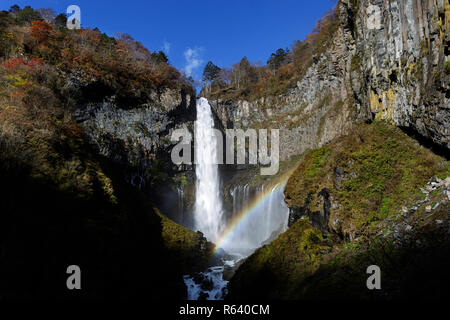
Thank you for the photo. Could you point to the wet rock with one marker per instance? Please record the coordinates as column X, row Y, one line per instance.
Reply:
column 317, row 208
column 224, row 291
column 203, row 296
column 435, row 180
column 319, row 219
column 228, row 273
column 207, row 284
column 198, row 278
column 295, row 213
column 338, row 176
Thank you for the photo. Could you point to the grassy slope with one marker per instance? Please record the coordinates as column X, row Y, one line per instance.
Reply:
column 385, row 171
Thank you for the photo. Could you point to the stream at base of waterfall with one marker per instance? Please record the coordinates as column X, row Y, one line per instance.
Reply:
column 258, row 216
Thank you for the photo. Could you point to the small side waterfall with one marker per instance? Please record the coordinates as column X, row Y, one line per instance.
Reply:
column 208, row 205
column 266, row 217
column 180, row 203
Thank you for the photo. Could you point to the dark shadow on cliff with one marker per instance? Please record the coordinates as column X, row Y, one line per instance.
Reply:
column 427, row 142
column 411, row 272
column 115, row 238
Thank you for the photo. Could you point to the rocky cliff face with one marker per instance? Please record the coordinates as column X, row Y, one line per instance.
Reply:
column 401, row 66
column 356, row 200
column 309, row 115
column 391, row 63
column 364, row 199
column 138, row 136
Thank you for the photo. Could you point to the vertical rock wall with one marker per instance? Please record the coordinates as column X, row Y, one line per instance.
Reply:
column 396, row 70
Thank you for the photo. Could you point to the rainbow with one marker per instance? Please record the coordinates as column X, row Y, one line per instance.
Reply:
column 241, row 217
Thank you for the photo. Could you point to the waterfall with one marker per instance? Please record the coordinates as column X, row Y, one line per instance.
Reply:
column 268, row 218
column 180, row 204
column 263, row 214
column 208, row 206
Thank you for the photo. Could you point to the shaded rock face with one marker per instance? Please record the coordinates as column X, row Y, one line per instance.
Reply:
column 316, row 209
column 138, row 136
column 397, row 71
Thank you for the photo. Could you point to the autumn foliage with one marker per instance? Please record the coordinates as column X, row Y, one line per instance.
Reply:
column 120, row 66
column 284, row 67
column 14, row 64
column 41, row 31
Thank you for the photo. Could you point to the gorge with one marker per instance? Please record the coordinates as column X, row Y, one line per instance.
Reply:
column 87, row 178
column 256, row 217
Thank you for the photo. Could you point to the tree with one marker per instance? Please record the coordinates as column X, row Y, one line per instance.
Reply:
column 246, row 72
column 132, row 49
column 158, row 57
column 61, row 21
column 47, row 14
column 14, row 9
column 278, row 58
column 7, row 40
column 240, row 71
column 5, row 21
column 323, row 29
column 41, row 31
column 224, row 78
column 26, row 15
column 210, row 73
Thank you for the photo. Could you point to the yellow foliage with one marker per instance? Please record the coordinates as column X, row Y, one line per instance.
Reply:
column 7, row 35
column 19, row 79
column 447, row 16
column 383, row 109
column 374, row 104
column 107, row 186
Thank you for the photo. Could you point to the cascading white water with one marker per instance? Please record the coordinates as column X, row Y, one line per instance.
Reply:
column 267, row 220
column 180, row 202
column 208, row 205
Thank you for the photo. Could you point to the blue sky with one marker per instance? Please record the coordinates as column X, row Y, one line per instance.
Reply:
column 196, row 31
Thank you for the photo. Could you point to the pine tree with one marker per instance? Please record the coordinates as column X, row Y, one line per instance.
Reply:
column 210, row 73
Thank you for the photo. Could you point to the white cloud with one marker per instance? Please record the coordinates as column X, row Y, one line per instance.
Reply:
column 166, row 47
column 193, row 60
